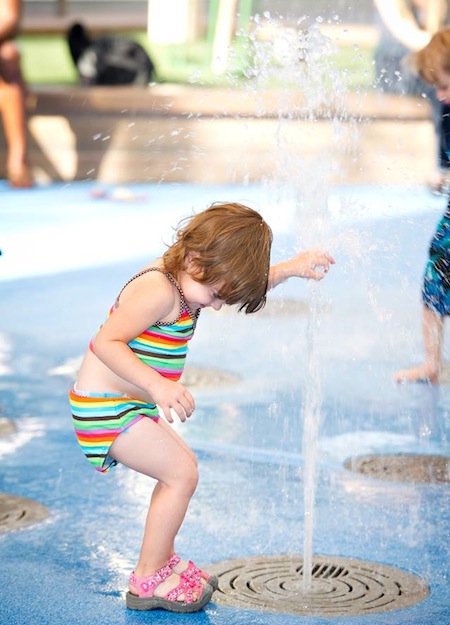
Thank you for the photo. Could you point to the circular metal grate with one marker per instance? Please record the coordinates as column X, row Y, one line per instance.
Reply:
column 339, row 586
column 424, row 469
column 19, row 512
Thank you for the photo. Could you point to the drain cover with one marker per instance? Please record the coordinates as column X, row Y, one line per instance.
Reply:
column 18, row 512
column 425, row 469
column 339, row 586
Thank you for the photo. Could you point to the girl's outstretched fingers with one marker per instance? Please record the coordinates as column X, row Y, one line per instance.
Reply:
column 314, row 264
column 311, row 265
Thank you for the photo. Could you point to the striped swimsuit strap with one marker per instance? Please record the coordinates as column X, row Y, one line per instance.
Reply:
column 183, row 304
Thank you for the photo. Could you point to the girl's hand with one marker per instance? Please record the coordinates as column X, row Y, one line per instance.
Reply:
column 312, row 264
column 171, row 395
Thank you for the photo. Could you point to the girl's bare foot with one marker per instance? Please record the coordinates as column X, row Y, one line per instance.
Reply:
column 439, row 183
column 20, row 177
column 423, row 373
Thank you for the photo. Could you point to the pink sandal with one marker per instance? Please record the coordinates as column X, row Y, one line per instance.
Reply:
column 193, row 573
column 146, row 600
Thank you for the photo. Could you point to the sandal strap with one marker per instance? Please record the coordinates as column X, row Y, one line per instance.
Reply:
column 146, row 585
column 173, row 560
column 191, row 591
column 192, row 572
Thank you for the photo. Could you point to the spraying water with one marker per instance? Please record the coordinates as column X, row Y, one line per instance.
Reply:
column 299, row 63
column 311, row 411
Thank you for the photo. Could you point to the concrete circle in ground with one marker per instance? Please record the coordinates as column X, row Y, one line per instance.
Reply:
column 415, row 468
column 278, row 307
column 195, row 376
column 19, row 512
column 282, row 307
column 339, row 586
column 7, row 427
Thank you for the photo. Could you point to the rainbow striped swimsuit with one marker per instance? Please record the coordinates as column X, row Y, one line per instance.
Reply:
column 98, row 418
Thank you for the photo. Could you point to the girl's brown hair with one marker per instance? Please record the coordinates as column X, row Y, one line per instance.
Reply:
column 230, row 246
column 434, row 57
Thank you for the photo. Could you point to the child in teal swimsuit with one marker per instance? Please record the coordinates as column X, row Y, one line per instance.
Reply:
column 128, row 388
column 433, row 65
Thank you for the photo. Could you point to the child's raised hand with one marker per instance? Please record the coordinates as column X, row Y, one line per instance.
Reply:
column 310, row 264
column 170, row 395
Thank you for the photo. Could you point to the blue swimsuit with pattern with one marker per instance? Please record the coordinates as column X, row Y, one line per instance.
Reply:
column 436, row 281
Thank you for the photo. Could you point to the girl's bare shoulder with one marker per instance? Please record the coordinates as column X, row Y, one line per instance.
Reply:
column 151, row 289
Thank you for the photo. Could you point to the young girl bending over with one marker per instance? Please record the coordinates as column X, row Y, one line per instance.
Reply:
column 127, row 387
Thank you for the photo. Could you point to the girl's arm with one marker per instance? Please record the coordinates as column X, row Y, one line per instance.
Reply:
column 311, row 264
column 149, row 299
column 9, row 20
column 400, row 21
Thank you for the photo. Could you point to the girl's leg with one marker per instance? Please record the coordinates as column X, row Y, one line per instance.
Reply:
column 149, row 448
column 162, row 423
column 182, row 565
column 429, row 371
column 433, row 330
column 12, row 109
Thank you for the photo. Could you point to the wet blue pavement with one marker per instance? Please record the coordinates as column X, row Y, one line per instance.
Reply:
column 65, row 255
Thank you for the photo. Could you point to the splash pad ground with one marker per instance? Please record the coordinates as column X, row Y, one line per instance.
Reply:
column 66, row 252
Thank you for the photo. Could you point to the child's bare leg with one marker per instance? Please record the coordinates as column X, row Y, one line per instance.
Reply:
column 12, row 108
column 182, row 565
column 429, row 371
column 147, row 447
column 179, row 440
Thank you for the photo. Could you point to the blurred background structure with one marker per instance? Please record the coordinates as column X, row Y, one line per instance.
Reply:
column 201, row 52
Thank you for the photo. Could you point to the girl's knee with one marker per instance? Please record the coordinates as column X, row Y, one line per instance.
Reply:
column 9, row 52
column 192, row 479
column 186, row 478
column 194, row 459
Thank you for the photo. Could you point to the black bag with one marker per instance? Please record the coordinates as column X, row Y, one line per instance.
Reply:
column 108, row 60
